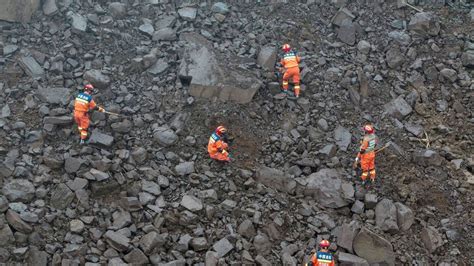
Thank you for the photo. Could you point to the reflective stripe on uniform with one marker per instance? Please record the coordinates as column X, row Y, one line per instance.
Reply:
column 82, row 100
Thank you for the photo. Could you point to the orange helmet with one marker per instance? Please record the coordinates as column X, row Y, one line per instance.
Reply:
column 221, row 130
column 286, row 47
column 324, row 243
column 88, row 87
column 369, row 129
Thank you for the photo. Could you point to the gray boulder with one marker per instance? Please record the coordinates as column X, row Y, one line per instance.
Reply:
column 400, row 36
column 343, row 137
column 187, row 13
column 276, row 179
column 19, row 190
column 191, row 203
column 222, row 247
column 398, row 108
column 405, row 216
column 18, row 10
column 61, row 197
column 394, row 57
column 349, row 259
column 117, row 241
column 467, row 59
column 117, row 10
column 97, row 78
column 101, row 139
column 424, row 23
column 165, row 136
column 373, row 248
column 347, row 234
column 17, row 223
column 220, row 7
column 328, row 188
column 427, row 157
column 54, row 95
column 210, row 74
column 31, row 67
column 386, row 216
column 184, row 168
column 165, row 34
column 431, row 238
column 78, row 22
column 267, row 57
column 50, row 7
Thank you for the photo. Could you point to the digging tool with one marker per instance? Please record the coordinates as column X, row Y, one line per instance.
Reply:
column 383, row 148
column 405, row 3
column 112, row 113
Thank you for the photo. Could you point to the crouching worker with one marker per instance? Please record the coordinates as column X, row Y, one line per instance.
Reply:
column 217, row 146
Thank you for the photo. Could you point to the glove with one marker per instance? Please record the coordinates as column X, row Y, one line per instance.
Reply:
column 354, row 166
column 101, row 109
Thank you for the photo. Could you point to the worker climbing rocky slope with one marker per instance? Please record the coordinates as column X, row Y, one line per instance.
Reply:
column 144, row 190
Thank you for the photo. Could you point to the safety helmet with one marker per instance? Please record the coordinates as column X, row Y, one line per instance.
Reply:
column 88, row 87
column 221, row 130
column 369, row 129
column 286, row 47
column 324, row 243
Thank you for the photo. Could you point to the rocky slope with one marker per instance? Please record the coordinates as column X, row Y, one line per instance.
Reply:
column 144, row 190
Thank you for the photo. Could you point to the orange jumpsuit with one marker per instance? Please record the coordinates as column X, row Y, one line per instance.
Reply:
column 367, row 156
column 82, row 105
column 290, row 62
column 322, row 259
column 217, row 148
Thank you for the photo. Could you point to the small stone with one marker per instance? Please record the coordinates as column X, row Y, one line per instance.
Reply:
column 191, row 203
column 76, row 226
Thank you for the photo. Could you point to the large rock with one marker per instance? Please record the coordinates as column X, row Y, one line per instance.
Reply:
column 347, row 234
column 267, row 57
column 427, row 157
column 17, row 223
column 19, row 190
column 188, row 13
column 165, row 136
column 347, row 33
column 184, row 168
column 97, row 78
column 327, row 187
column 118, row 10
column 61, row 197
column 222, row 247
column 405, row 216
column 394, row 57
column 149, row 242
column 54, row 95
column 102, row 139
column 398, row 108
column 117, row 241
column 349, row 259
column 431, row 238
column 276, row 179
column 386, row 216
column 209, row 74
column 424, row 23
column 18, row 10
column 50, row 7
column 373, row 248
column 343, row 137
column 78, row 22
column 342, row 16
column 467, row 59
column 400, row 36
column 191, row 203
column 165, row 34
column 262, row 244
column 247, row 229
column 31, row 67
column 136, row 257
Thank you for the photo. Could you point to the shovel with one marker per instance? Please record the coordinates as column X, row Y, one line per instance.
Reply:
column 405, row 3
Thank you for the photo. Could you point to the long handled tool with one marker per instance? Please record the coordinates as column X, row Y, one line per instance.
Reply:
column 111, row 113
column 405, row 3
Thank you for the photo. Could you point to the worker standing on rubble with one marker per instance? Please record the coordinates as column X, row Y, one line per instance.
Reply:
column 323, row 257
column 366, row 155
column 217, row 146
column 290, row 69
column 83, row 105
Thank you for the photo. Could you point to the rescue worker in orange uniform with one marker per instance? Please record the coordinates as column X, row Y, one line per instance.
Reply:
column 290, row 63
column 323, row 257
column 366, row 154
column 217, row 146
column 83, row 105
